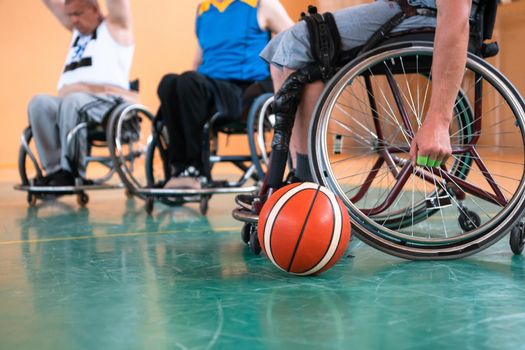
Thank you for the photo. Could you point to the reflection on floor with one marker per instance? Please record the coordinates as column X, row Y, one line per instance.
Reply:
column 110, row 277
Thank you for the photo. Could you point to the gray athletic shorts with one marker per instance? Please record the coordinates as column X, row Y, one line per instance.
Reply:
column 356, row 24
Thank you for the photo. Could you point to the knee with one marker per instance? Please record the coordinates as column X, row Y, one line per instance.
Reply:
column 41, row 106
column 70, row 106
column 189, row 81
column 167, row 86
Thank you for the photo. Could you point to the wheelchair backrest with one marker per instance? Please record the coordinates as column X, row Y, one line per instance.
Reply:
column 483, row 16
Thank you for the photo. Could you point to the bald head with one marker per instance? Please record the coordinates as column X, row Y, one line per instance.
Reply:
column 85, row 15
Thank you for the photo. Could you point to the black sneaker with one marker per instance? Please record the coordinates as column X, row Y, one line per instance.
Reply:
column 41, row 181
column 61, row 178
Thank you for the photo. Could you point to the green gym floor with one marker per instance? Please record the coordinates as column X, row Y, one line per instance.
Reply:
column 110, row 277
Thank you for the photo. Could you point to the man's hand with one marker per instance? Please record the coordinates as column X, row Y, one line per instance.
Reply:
column 431, row 144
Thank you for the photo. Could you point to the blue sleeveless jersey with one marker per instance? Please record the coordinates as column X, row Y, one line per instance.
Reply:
column 231, row 40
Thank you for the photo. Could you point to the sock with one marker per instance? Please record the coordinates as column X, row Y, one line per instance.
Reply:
column 303, row 168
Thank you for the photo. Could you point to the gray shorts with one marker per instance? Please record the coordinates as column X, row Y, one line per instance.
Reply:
column 356, row 24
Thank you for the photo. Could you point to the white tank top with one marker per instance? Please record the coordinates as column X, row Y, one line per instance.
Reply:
column 97, row 59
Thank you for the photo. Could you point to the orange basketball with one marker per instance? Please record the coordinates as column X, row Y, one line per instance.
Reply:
column 304, row 228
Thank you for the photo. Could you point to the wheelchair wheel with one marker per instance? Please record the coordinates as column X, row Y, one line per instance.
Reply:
column 129, row 134
column 260, row 132
column 150, row 203
column 517, row 239
column 254, row 244
column 203, row 204
column 82, row 199
column 360, row 139
column 157, row 165
column 31, row 199
column 28, row 166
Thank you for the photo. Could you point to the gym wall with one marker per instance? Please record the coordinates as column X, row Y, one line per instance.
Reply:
column 33, row 46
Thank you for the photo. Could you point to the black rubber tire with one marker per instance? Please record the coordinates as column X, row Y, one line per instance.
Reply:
column 82, row 199
column 469, row 220
column 149, row 204
column 203, row 205
column 255, row 246
column 517, row 240
column 245, row 232
column 31, row 199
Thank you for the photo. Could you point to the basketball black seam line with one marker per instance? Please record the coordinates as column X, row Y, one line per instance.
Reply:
column 332, row 235
column 276, row 215
column 303, row 228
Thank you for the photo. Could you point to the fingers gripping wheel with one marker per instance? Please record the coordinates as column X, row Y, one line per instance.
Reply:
column 360, row 140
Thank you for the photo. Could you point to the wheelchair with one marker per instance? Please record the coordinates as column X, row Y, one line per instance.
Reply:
column 359, row 144
column 30, row 169
column 148, row 183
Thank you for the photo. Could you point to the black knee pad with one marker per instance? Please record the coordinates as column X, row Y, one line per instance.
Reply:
column 286, row 101
column 284, row 107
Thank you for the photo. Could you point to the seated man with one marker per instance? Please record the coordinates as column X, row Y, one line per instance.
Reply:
column 94, row 80
column 231, row 34
column 290, row 51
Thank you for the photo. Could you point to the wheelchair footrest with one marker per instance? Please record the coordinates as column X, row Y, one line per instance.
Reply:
column 244, row 215
column 175, row 192
column 64, row 189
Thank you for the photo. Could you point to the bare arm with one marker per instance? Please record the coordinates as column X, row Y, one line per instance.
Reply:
column 273, row 16
column 197, row 60
column 119, row 21
column 450, row 53
column 58, row 8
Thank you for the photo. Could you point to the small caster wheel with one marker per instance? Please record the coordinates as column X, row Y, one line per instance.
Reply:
column 246, row 232
column 203, row 205
column 149, row 205
column 254, row 242
column 517, row 239
column 82, row 199
column 31, row 199
column 468, row 220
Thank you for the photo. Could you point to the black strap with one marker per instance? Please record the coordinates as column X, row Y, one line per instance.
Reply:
column 407, row 9
column 325, row 41
column 382, row 32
